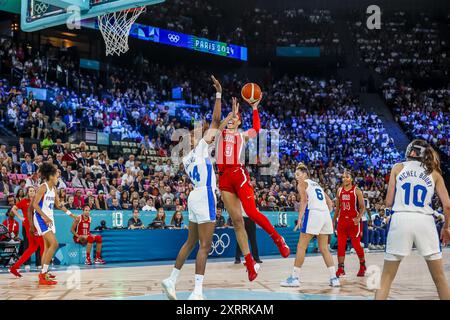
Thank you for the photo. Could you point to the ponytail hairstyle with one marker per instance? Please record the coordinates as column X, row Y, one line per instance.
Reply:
column 302, row 168
column 424, row 153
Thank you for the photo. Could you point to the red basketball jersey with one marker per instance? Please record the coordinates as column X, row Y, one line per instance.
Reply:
column 230, row 147
column 348, row 203
column 24, row 204
column 84, row 226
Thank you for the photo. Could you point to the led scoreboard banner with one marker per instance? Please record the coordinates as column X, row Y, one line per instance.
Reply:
column 182, row 40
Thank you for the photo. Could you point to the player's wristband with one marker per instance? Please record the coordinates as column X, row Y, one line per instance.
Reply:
column 218, row 95
column 69, row 213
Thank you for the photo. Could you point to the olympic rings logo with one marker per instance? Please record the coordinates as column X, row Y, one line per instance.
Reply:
column 173, row 37
column 219, row 244
column 73, row 254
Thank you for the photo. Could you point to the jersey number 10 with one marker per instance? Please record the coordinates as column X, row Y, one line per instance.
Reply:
column 417, row 201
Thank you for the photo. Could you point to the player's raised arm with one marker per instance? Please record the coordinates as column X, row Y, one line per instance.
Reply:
column 217, row 112
column 253, row 132
column 392, row 182
column 442, row 193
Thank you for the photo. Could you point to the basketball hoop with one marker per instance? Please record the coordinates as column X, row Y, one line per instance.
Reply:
column 115, row 28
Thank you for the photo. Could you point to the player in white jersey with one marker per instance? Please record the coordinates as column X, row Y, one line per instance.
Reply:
column 314, row 219
column 44, row 202
column 201, row 203
column 411, row 187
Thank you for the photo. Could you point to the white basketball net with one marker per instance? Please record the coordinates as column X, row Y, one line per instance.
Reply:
column 115, row 28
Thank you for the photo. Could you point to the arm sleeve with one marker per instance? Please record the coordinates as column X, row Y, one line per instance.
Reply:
column 252, row 133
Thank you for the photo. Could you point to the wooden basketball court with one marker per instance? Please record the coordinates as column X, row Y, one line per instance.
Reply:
column 224, row 280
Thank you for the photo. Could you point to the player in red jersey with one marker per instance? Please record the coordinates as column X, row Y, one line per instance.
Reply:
column 34, row 241
column 81, row 230
column 235, row 187
column 349, row 211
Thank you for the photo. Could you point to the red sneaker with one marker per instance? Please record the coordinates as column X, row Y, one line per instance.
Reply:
column 45, row 280
column 252, row 267
column 88, row 261
column 284, row 249
column 51, row 276
column 362, row 270
column 99, row 260
column 15, row 273
column 340, row 272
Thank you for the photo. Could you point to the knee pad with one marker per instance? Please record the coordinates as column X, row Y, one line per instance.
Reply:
column 435, row 256
column 98, row 238
column 393, row 257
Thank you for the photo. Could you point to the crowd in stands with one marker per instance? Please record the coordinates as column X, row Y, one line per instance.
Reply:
column 406, row 46
column 424, row 114
column 253, row 27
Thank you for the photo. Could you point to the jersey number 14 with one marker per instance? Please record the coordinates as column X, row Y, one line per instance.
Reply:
column 194, row 174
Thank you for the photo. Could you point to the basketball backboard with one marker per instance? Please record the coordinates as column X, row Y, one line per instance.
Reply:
column 41, row 14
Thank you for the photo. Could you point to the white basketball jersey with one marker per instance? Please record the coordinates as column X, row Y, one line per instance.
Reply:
column 316, row 197
column 48, row 201
column 414, row 189
column 199, row 167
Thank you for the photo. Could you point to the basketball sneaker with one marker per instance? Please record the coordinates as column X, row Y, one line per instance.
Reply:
column 340, row 272
column 99, row 261
column 169, row 289
column 15, row 273
column 290, row 282
column 51, row 276
column 362, row 270
column 45, row 280
column 27, row 268
column 88, row 261
column 334, row 282
column 252, row 267
column 284, row 249
column 195, row 296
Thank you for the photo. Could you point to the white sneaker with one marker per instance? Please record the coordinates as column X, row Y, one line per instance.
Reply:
column 27, row 268
column 169, row 289
column 372, row 247
column 380, row 247
column 290, row 282
column 366, row 250
column 195, row 296
column 352, row 251
column 334, row 282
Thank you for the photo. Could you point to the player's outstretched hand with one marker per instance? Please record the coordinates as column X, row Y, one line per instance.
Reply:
column 445, row 236
column 235, row 105
column 216, row 84
column 255, row 104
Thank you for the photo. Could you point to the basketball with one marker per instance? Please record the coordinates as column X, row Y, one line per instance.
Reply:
column 251, row 92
